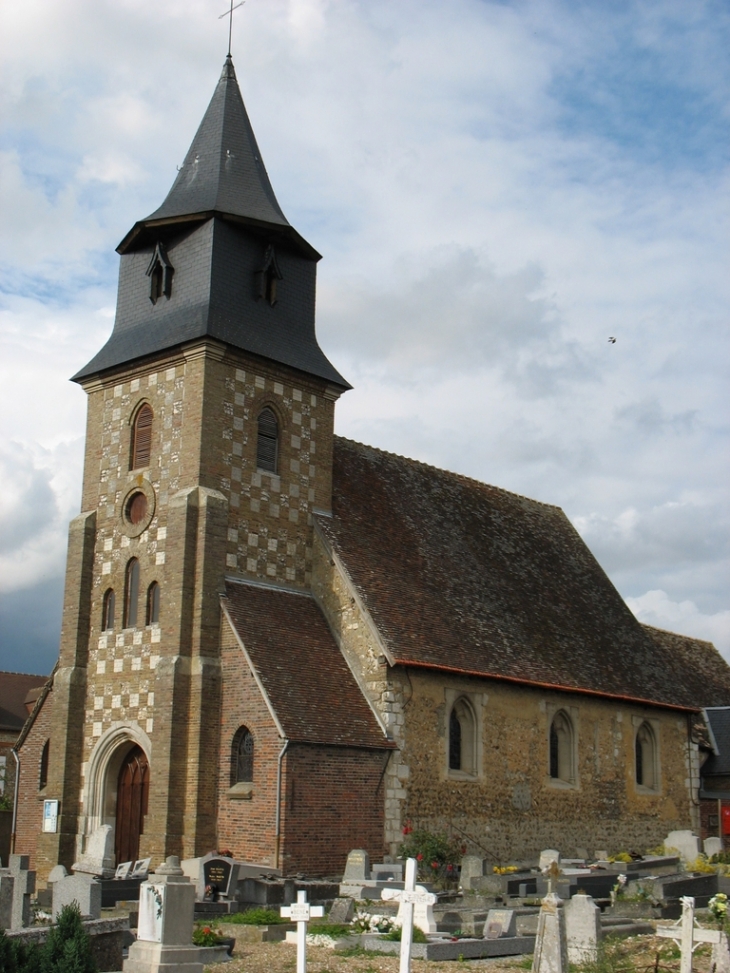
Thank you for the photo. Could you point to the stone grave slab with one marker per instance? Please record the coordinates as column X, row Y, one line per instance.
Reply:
column 700, row 887
column 357, row 868
column 500, row 922
column 472, row 867
column 81, row 888
column 712, row 846
column 6, row 900
column 547, row 857
column 124, row 870
column 23, row 888
column 685, row 842
column 220, row 876
column 582, row 929
column 342, row 911
column 446, row 949
column 141, row 868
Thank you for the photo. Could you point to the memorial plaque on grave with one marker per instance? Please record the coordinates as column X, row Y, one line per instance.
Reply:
column 218, row 873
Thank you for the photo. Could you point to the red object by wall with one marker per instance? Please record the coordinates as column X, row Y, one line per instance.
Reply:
column 726, row 820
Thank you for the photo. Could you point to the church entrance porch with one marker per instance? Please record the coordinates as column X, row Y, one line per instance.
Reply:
column 132, row 798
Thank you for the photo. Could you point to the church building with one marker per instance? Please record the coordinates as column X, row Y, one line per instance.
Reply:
column 285, row 644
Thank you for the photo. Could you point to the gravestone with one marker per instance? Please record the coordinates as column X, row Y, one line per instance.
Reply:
column 357, row 868
column 582, row 929
column 301, row 912
column 472, row 867
column 409, row 897
column 124, row 870
column 500, row 922
column 712, row 846
column 56, row 874
column 98, row 858
column 720, row 958
column 165, row 924
column 6, row 900
column 141, row 868
column 23, row 888
column 601, row 855
column 342, row 911
column 220, row 875
column 686, row 843
column 686, row 935
column 547, row 857
column 551, row 947
column 83, row 889
column 423, row 916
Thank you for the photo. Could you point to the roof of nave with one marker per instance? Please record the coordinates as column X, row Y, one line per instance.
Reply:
column 465, row 577
column 310, row 688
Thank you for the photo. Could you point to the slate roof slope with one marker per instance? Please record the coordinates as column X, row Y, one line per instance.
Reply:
column 718, row 764
column 462, row 576
column 14, row 689
column 695, row 663
column 311, row 689
column 223, row 172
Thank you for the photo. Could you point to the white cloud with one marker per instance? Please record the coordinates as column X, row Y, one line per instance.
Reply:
column 657, row 608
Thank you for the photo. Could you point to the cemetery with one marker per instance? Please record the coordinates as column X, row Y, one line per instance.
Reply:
column 553, row 913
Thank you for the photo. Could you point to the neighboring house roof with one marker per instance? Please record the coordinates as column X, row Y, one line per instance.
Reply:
column 465, row 577
column 718, row 763
column 310, row 688
column 15, row 688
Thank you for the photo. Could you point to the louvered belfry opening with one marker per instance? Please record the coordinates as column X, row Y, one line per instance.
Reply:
column 142, row 438
column 133, row 787
column 267, row 448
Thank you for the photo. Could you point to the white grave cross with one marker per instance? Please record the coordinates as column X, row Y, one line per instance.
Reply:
column 408, row 897
column 301, row 912
column 687, row 935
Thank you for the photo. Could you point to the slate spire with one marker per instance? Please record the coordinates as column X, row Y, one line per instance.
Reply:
column 223, row 169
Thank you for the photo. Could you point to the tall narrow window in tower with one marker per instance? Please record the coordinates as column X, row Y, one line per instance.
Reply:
column 462, row 737
column 267, row 446
column 107, row 619
column 242, row 757
column 43, row 769
column 646, row 757
column 267, row 277
column 131, row 593
column 160, row 272
column 561, row 748
column 141, row 438
column 153, row 603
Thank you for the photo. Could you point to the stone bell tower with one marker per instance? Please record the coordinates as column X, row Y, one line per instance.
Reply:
column 208, row 448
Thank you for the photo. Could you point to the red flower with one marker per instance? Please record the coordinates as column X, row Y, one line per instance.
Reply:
column 434, row 864
column 407, row 829
column 206, row 929
column 419, row 857
column 449, row 868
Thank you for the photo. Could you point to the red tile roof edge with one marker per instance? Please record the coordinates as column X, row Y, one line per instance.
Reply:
column 545, row 685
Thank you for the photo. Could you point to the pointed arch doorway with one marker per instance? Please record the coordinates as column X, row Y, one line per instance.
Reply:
column 133, row 785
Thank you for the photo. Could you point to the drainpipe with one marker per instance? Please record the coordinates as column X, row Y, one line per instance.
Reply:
column 16, row 795
column 277, row 826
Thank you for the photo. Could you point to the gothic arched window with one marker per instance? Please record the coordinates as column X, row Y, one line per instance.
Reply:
column 141, row 438
column 107, row 612
column 267, row 444
column 462, row 737
column 153, row 603
column 646, row 757
column 562, row 763
column 131, row 593
column 242, row 757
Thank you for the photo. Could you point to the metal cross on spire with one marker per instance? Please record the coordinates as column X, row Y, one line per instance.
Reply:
column 229, row 13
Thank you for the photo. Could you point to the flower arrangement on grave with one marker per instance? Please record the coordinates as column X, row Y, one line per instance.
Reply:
column 206, row 936
column 623, row 856
column 505, row 869
column 702, row 865
column 368, row 922
column 437, row 855
column 617, row 892
column 718, row 908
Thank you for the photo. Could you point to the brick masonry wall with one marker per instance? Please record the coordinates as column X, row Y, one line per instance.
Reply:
column 334, row 803
column 711, row 819
column 30, row 799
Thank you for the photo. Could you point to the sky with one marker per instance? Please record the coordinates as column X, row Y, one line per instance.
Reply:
column 497, row 188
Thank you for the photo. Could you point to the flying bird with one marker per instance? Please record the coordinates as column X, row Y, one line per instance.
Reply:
column 612, row 340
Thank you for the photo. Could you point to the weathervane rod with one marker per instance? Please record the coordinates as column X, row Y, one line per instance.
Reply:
column 229, row 13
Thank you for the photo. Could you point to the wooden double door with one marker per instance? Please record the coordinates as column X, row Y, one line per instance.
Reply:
column 133, row 786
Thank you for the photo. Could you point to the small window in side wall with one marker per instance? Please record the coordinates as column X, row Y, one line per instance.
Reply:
column 131, row 593
column 107, row 613
column 462, row 737
column 562, row 748
column 160, row 272
column 267, row 444
column 141, row 438
column 153, row 603
column 646, row 757
column 242, row 757
column 43, row 774
column 268, row 276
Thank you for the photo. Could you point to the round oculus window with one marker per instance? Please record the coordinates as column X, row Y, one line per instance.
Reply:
column 136, row 508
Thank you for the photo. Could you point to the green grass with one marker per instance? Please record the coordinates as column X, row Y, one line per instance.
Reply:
column 254, row 917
